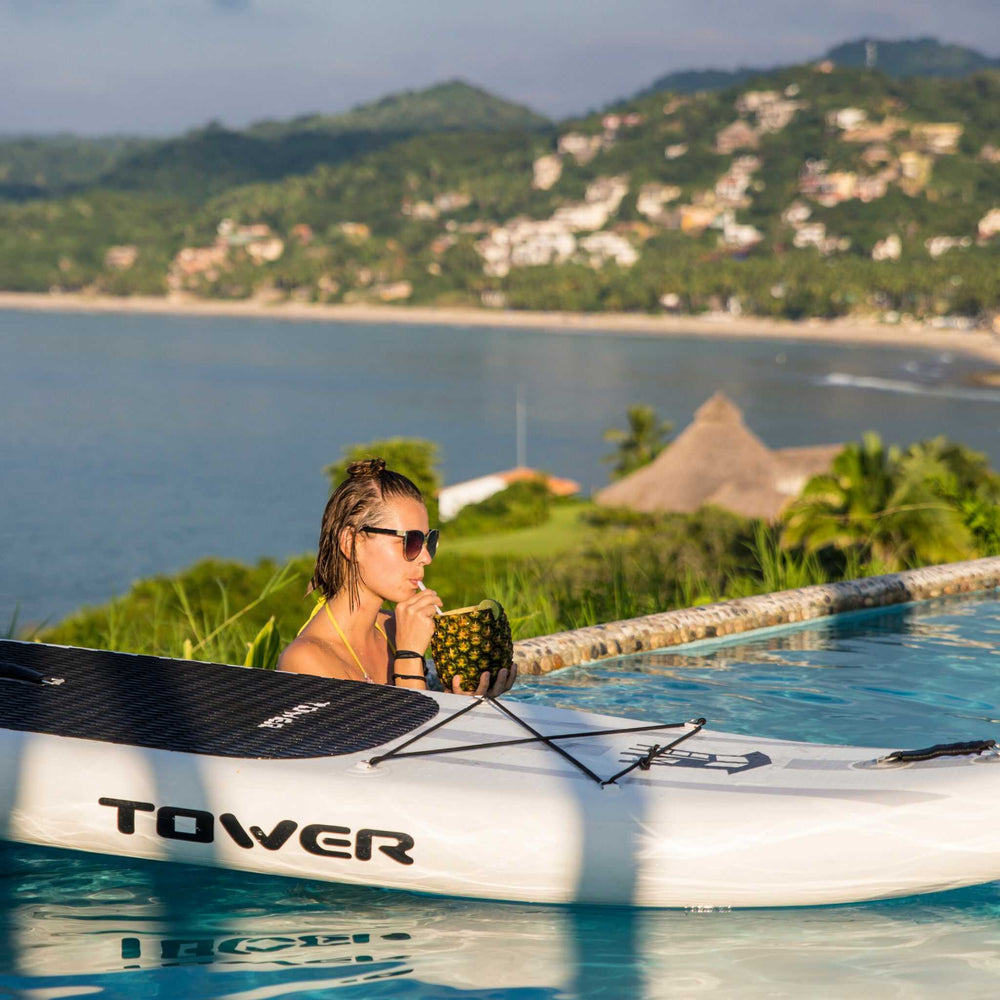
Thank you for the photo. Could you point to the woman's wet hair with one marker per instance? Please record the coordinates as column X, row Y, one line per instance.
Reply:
column 359, row 500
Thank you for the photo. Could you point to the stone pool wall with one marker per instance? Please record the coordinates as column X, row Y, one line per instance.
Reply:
column 671, row 628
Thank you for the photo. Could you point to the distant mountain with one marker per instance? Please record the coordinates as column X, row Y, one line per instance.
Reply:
column 915, row 57
column 212, row 159
column 446, row 107
column 208, row 160
column 779, row 204
column 691, row 81
column 32, row 166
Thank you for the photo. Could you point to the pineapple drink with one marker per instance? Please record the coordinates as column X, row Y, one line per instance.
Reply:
column 470, row 641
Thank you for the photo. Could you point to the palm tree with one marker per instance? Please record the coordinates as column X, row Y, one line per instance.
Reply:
column 963, row 478
column 874, row 500
column 967, row 472
column 644, row 439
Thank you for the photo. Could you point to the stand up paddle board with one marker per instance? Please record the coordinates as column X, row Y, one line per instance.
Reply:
column 326, row 779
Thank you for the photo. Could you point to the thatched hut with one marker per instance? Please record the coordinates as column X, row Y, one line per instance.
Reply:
column 717, row 460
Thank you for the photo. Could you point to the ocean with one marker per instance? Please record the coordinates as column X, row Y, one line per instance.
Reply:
column 132, row 445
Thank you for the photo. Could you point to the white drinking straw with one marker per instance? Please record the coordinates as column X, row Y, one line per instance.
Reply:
column 420, row 584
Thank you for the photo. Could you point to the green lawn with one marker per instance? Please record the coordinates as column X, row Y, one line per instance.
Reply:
column 564, row 530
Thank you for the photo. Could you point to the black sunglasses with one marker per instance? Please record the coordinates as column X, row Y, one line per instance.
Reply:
column 413, row 540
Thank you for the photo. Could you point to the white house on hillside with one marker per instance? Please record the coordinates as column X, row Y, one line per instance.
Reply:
column 451, row 499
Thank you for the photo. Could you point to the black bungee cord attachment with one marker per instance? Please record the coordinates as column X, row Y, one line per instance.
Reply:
column 11, row 671
column 644, row 762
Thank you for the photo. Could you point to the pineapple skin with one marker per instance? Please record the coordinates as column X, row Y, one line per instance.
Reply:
column 470, row 643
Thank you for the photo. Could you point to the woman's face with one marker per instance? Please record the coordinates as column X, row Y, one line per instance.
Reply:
column 382, row 566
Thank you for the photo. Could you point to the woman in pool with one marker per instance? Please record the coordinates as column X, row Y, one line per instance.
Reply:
column 373, row 547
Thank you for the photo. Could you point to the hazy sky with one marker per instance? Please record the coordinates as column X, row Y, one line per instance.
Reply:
column 163, row 66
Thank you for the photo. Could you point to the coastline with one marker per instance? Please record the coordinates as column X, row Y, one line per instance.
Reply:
column 979, row 343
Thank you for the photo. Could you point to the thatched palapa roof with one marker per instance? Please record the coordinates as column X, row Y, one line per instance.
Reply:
column 717, row 460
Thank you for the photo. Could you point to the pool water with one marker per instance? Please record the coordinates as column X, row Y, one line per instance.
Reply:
column 916, row 672
column 74, row 925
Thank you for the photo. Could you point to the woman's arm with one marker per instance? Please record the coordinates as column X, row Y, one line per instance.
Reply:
column 410, row 628
column 409, row 672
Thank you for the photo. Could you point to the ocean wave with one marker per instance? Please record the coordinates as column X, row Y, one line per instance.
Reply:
column 843, row 380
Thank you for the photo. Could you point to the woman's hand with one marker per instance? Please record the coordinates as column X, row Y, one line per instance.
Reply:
column 415, row 620
column 504, row 682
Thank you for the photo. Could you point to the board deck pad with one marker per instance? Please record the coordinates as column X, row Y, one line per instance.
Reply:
column 203, row 708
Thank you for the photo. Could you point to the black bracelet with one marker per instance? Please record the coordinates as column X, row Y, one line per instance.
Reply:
column 408, row 677
column 409, row 654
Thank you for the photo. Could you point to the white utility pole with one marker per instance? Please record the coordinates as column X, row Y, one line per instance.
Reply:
column 521, row 427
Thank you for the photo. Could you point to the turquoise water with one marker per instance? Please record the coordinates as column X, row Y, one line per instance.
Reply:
column 73, row 925
column 135, row 445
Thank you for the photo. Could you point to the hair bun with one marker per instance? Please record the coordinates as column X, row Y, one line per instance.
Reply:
column 369, row 468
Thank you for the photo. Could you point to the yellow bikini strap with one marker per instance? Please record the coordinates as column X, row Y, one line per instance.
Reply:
column 320, row 601
column 320, row 605
column 343, row 639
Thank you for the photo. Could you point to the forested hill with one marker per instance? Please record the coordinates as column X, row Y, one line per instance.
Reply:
column 910, row 57
column 446, row 107
column 208, row 160
column 44, row 166
column 915, row 57
column 809, row 191
column 213, row 159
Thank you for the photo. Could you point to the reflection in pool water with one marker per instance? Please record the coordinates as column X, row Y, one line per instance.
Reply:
column 74, row 925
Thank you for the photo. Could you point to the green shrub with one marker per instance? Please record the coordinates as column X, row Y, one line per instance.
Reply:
column 416, row 459
column 523, row 504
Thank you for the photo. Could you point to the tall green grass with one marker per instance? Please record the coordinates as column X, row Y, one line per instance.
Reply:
column 220, row 633
column 233, row 613
column 11, row 629
column 628, row 582
column 219, row 612
column 776, row 568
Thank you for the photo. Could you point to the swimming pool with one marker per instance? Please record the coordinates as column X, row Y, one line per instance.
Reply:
column 74, row 925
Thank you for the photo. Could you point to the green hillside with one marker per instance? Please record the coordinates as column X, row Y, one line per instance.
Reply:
column 690, row 81
column 914, row 57
column 446, row 107
column 212, row 159
column 805, row 192
column 38, row 166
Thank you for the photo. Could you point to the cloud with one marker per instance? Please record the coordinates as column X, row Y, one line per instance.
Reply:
column 231, row 5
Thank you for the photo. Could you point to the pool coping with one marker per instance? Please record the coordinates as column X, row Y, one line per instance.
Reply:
column 545, row 653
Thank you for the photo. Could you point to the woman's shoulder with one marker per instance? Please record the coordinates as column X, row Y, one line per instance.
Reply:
column 309, row 655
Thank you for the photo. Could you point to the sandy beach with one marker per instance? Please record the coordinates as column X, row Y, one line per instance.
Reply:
column 979, row 343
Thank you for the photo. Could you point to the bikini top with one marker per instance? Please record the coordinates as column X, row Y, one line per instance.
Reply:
column 343, row 638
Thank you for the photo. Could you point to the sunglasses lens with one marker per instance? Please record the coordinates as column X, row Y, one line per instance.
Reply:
column 413, row 542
